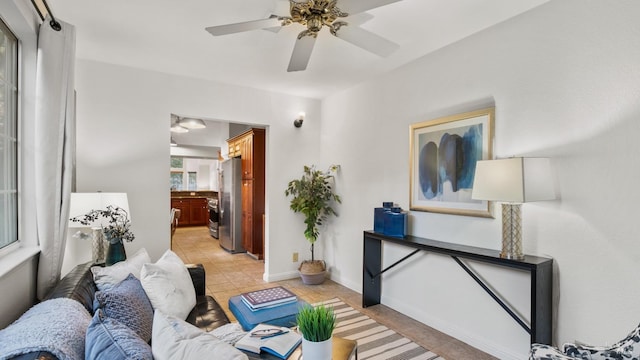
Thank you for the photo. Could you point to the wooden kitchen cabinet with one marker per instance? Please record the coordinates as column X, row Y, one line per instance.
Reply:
column 247, row 157
column 193, row 211
column 247, row 216
column 234, row 148
column 185, row 208
column 199, row 211
column 251, row 149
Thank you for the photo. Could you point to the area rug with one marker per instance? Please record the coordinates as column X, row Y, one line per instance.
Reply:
column 375, row 341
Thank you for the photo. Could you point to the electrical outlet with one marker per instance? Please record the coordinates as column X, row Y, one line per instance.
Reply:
column 295, row 257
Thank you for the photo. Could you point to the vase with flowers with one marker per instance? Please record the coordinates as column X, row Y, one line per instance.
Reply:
column 116, row 229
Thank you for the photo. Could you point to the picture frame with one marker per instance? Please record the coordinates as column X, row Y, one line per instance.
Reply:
column 443, row 156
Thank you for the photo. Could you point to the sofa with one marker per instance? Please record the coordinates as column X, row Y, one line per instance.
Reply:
column 625, row 349
column 79, row 285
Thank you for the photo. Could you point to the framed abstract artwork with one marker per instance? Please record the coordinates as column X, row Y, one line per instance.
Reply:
column 443, row 160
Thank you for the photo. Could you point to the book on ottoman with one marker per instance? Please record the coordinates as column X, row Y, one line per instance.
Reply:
column 283, row 315
column 270, row 297
column 279, row 341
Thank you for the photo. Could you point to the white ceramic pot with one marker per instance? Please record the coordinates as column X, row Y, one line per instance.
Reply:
column 317, row 350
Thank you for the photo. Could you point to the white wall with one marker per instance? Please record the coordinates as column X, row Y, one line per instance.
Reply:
column 565, row 81
column 123, row 145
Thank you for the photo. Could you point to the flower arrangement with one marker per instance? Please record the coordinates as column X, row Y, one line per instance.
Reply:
column 119, row 225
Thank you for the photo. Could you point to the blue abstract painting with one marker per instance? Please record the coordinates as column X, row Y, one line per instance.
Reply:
column 444, row 153
column 447, row 160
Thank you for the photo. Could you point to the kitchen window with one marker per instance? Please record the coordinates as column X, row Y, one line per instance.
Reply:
column 193, row 180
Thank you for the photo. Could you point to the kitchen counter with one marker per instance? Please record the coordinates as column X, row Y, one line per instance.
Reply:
column 194, row 194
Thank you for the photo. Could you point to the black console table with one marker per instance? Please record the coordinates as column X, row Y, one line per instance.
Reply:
column 540, row 269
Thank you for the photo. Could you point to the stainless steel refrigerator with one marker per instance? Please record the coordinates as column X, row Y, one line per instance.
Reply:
column 230, row 229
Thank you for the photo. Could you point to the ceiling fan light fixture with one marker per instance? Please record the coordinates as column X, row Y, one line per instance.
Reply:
column 177, row 128
column 314, row 23
column 315, row 15
column 191, row 123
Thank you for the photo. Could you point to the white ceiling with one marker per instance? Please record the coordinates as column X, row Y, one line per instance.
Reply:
column 168, row 36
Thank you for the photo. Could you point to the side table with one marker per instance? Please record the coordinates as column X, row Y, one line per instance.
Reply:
column 343, row 349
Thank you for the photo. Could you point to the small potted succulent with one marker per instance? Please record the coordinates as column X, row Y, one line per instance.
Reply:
column 313, row 196
column 316, row 325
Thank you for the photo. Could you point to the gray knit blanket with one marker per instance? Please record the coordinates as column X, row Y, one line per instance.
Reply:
column 57, row 326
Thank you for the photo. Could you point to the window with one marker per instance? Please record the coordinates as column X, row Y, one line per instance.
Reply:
column 177, row 175
column 176, row 162
column 8, row 136
column 193, row 183
column 176, row 180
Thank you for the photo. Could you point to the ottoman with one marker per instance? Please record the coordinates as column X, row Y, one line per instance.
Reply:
column 283, row 315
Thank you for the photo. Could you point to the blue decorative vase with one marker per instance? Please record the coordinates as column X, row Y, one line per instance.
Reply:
column 395, row 222
column 378, row 216
column 115, row 253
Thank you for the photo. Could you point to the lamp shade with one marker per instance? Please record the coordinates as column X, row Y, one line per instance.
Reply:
column 516, row 180
column 82, row 203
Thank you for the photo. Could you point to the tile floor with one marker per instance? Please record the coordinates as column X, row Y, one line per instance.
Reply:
column 228, row 275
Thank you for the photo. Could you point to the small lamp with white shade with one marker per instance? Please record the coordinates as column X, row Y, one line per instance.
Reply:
column 513, row 181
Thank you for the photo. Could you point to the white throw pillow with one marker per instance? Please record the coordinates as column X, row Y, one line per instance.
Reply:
column 173, row 338
column 169, row 286
column 107, row 277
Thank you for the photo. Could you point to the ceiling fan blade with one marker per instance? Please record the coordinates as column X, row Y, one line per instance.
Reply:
column 301, row 53
column 359, row 19
column 274, row 29
column 244, row 26
column 367, row 40
column 357, row 6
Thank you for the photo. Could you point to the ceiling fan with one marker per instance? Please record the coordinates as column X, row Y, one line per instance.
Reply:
column 316, row 14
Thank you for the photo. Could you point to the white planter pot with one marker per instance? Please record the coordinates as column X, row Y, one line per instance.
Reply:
column 317, row 350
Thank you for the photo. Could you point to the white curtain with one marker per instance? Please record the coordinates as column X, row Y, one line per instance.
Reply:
column 55, row 147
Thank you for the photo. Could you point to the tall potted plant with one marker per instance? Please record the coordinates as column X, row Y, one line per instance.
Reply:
column 313, row 196
column 316, row 325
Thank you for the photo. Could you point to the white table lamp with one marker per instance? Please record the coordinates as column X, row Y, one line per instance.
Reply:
column 513, row 181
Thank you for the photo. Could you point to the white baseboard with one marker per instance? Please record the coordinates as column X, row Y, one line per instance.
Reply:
column 346, row 283
column 459, row 333
column 281, row 276
column 294, row 274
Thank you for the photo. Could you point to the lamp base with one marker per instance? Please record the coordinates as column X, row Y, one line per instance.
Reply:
column 512, row 231
column 99, row 246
